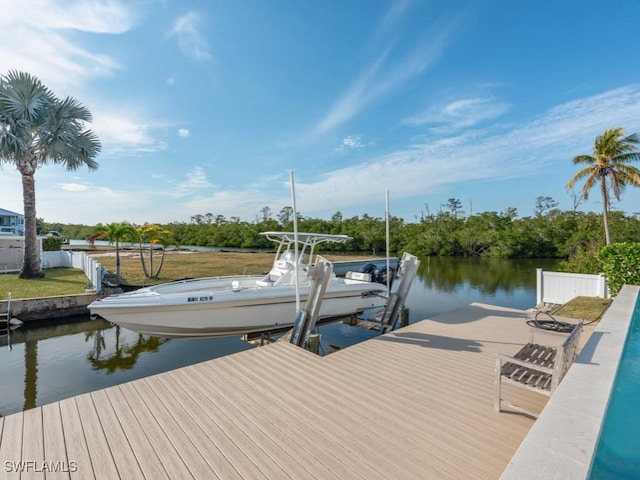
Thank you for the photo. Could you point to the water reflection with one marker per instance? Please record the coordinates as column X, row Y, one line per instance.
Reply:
column 125, row 356
column 487, row 275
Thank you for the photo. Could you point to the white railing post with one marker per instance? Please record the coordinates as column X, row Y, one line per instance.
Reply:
column 97, row 280
column 539, row 286
column 603, row 290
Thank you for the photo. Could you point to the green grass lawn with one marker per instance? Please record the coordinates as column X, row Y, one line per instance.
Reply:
column 57, row 281
column 586, row 308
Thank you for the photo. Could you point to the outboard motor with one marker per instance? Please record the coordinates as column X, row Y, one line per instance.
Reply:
column 382, row 274
column 378, row 275
column 369, row 268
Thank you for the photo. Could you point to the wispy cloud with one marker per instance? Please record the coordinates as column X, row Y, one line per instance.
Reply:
column 183, row 132
column 123, row 132
column 74, row 187
column 386, row 72
column 354, row 142
column 40, row 38
column 195, row 181
column 461, row 113
column 187, row 32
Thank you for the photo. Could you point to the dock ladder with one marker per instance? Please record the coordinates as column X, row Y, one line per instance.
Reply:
column 5, row 318
column 400, row 289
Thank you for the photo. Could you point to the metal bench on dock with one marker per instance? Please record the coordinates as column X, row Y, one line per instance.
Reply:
column 536, row 367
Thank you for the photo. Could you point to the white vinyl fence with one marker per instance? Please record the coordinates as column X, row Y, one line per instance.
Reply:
column 63, row 258
column 559, row 287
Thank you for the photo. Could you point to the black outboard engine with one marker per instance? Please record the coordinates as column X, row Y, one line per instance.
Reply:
column 378, row 275
column 369, row 268
column 382, row 274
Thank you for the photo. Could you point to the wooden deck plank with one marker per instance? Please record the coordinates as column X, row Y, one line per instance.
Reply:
column 104, row 466
column 11, row 446
column 187, row 413
column 126, row 397
column 276, row 404
column 75, row 442
column 123, row 455
column 295, row 459
column 148, row 458
column 340, row 424
column 215, row 423
column 353, row 410
column 196, row 447
column 32, row 442
column 54, row 447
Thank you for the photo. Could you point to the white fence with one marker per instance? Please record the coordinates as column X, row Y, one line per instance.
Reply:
column 63, row 258
column 559, row 287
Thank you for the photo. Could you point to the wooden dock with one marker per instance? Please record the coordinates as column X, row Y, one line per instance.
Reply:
column 415, row 403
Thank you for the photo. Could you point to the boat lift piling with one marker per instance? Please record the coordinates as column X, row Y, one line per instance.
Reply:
column 401, row 285
column 306, row 320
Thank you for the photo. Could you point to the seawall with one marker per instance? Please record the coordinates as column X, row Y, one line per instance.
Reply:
column 43, row 308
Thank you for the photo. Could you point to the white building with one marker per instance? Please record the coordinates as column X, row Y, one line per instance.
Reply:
column 11, row 223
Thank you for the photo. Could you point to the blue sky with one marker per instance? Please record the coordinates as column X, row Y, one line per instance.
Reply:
column 206, row 106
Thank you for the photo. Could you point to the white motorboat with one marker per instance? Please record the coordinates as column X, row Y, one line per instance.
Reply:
column 221, row 306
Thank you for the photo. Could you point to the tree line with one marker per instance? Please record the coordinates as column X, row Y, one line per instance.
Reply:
column 550, row 233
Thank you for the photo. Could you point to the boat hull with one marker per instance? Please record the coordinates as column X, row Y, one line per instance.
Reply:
column 200, row 310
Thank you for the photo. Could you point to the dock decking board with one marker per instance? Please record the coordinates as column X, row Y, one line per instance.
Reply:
column 415, row 403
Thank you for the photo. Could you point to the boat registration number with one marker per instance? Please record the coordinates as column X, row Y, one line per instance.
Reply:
column 206, row 298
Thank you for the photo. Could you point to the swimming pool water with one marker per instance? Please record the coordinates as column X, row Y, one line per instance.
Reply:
column 618, row 449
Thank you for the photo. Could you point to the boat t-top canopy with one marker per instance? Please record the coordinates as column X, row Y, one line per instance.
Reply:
column 306, row 238
column 308, row 241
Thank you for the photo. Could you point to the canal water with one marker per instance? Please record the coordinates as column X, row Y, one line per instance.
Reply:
column 48, row 361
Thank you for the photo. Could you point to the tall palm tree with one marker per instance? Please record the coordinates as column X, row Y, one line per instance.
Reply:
column 37, row 128
column 116, row 233
column 609, row 165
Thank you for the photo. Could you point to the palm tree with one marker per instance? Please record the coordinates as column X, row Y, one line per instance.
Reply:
column 37, row 128
column 154, row 235
column 116, row 233
column 609, row 165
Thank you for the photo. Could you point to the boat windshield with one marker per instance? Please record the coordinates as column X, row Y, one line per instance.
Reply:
column 287, row 256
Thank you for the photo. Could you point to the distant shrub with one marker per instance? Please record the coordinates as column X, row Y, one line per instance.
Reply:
column 621, row 264
column 51, row 244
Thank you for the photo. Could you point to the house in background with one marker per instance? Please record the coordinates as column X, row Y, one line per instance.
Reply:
column 11, row 223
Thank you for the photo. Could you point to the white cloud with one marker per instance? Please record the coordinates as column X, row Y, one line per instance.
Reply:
column 183, row 132
column 121, row 132
column 353, row 142
column 171, row 80
column 191, row 41
column 74, row 187
column 45, row 47
column 461, row 113
column 196, row 180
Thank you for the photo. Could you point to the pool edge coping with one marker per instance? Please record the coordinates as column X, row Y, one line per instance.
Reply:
column 562, row 442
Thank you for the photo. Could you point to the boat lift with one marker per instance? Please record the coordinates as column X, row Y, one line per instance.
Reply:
column 389, row 318
column 307, row 318
column 402, row 282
